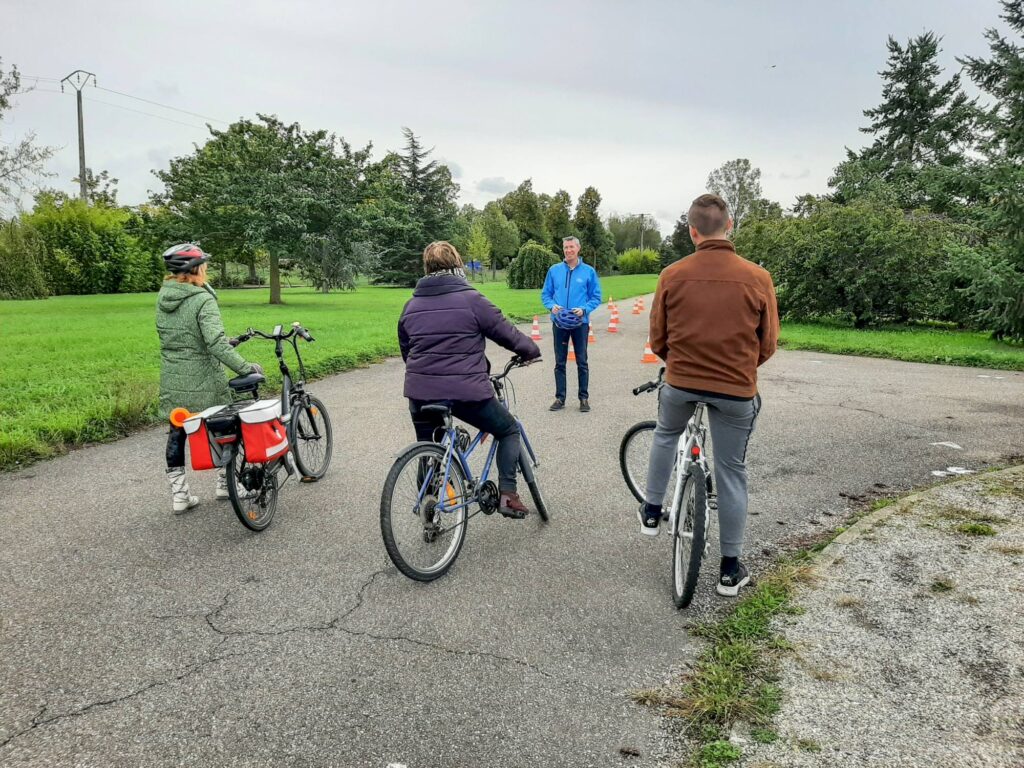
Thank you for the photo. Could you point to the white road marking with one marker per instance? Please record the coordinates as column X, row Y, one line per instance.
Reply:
column 954, row 446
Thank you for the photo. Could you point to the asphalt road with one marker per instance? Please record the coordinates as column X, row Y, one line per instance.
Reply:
column 131, row 637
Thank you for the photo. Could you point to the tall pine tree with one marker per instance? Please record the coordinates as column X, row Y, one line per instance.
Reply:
column 522, row 206
column 428, row 194
column 919, row 121
column 597, row 246
column 1001, row 76
column 677, row 245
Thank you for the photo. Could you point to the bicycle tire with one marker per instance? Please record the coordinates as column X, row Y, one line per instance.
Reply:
column 687, row 553
column 629, row 461
column 526, row 467
column 259, row 516
column 309, row 411
column 416, row 452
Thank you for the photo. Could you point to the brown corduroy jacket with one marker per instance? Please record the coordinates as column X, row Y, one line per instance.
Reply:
column 714, row 320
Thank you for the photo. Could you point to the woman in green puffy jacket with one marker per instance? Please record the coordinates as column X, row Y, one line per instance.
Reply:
column 193, row 353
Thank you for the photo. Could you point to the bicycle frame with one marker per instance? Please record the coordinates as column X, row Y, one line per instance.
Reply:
column 450, row 442
column 690, row 451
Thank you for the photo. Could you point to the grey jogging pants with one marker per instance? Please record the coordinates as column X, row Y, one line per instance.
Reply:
column 732, row 423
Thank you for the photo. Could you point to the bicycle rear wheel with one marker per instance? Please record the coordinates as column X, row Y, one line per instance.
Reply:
column 311, row 438
column 530, row 476
column 635, row 456
column 252, row 489
column 422, row 540
column 689, row 536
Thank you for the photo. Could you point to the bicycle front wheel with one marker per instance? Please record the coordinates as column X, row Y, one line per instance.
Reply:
column 635, row 456
column 311, row 438
column 421, row 538
column 252, row 489
column 530, row 476
column 689, row 536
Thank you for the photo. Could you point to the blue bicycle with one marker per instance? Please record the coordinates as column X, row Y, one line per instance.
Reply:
column 424, row 507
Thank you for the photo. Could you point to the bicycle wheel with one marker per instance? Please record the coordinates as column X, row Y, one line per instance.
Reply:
column 689, row 536
column 311, row 438
column 635, row 456
column 421, row 540
column 530, row 476
column 252, row 489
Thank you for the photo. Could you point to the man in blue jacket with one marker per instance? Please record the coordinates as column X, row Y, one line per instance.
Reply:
column 572, row 288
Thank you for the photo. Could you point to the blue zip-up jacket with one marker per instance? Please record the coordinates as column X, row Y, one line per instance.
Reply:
column 572, row 288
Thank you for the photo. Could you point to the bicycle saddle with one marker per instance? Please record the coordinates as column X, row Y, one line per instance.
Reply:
column 247, row 383
column 440, row 408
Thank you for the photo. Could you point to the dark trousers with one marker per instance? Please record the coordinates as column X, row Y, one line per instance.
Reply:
column 489, row 416
column 176, row 448
column 579, row 344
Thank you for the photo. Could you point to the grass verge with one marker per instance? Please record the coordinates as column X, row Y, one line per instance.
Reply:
column 913, row 344
column 83, row 369
column 734, row 679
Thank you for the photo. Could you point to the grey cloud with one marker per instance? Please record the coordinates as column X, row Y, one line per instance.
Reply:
column 497, row 185
column 804, row 174
column 454, row 167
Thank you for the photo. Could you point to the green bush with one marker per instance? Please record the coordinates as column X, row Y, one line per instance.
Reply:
column 637, row 262
column 530, row 267
column 21, row 263
column 868, row 261
column 89, row 250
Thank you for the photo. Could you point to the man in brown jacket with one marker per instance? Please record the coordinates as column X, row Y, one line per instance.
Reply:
column 714, row 320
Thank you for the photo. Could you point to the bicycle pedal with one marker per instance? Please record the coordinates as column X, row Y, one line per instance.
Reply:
column 307, row 479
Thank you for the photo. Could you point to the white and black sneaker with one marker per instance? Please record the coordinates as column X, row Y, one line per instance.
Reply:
column 733, row 576
column 650, row 520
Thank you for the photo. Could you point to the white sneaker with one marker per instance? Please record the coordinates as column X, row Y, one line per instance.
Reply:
column 182, row 499
column 222, row 484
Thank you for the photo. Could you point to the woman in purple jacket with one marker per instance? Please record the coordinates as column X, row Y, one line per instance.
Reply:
column 443, row 334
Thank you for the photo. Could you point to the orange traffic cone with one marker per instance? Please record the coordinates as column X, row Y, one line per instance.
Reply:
column 636, row 308
column 640, row 301
column 613, row 324
column 611, row 304
column 535, row 334
column 649, row 356
column 591, row 338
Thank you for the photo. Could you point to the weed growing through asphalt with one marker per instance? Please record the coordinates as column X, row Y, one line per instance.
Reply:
column 942, row 585
column 1008, row 549
column 715, row 754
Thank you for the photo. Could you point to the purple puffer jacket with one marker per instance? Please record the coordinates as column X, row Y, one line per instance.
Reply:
column 443, row 334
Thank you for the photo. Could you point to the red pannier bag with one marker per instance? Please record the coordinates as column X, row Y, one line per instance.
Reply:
column 204, row 449
column 263, row 433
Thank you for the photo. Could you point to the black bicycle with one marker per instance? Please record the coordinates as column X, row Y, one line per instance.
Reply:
column 253, row 487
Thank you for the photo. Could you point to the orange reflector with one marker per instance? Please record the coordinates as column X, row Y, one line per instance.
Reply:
column 252, row 515
column 178, row 416
column 451, row 494
column 695, row 451
column 314, row 411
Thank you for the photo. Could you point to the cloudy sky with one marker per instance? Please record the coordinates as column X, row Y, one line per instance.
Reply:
column 640, row 99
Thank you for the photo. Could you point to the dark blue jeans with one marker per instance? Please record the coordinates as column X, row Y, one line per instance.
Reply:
column 579, row 345
column 488, row 416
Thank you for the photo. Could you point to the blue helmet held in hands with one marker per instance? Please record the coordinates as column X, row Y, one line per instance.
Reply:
column 566, row 319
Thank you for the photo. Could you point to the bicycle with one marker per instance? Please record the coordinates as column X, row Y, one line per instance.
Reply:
column 693, row 499
column 253, row 487
column 431, row 483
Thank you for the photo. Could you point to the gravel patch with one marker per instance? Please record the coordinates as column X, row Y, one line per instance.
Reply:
column 910, row 651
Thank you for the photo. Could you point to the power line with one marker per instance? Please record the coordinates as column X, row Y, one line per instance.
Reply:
column 140, row 112
column 164, row 106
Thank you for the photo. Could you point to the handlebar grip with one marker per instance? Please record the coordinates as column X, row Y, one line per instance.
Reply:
column 302, row 331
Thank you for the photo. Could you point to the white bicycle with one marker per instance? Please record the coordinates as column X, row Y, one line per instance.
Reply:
column 693, row 498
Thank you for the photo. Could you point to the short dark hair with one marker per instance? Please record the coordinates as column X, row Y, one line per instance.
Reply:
column 709, row 215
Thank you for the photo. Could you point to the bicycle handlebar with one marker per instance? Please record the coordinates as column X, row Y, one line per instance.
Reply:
column 650, row 386
column 515, row 362
column 297, row 330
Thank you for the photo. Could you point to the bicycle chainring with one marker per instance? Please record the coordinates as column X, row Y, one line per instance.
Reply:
column 487, row 497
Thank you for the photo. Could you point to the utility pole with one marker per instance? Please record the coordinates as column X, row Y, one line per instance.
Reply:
column 81, row 79
column 643, row 217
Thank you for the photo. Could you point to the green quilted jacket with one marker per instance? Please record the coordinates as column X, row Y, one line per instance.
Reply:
column 193, row 349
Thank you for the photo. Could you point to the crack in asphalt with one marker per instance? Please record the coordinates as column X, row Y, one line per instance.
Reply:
column 38, row 720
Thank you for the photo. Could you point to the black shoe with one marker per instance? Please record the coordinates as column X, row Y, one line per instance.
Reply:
column 584, row 406
column 511, row 506
column 732, row 578
column 650, row 520
column 557, row 405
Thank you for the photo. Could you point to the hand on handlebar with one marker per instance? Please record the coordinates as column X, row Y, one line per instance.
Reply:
column 256, row 368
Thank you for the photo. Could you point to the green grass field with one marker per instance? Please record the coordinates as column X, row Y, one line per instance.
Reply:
column 81, row 369
column 915, row 344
